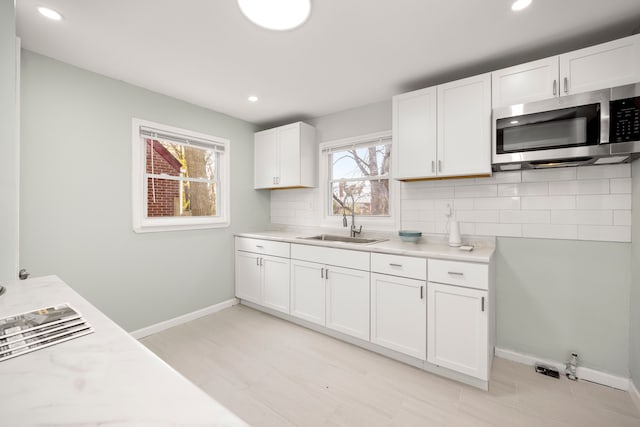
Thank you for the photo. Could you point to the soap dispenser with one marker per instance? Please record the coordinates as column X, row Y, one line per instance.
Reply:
column 455, row 239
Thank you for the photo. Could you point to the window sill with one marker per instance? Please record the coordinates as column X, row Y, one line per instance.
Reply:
column 151, row 226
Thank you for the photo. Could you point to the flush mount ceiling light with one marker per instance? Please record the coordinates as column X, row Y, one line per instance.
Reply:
column 49, row 13
column 253, row 98
column 276, row 14
column 520, row 4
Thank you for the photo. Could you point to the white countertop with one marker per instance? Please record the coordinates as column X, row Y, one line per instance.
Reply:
column 105, row 378
column 425, row 248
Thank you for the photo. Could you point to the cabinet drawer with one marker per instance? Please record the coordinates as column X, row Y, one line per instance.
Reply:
column 398, row 265
column 470, row 275
column 265, row 247
column 332, row 256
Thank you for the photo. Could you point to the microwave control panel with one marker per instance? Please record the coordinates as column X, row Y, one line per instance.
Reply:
column 625, row 120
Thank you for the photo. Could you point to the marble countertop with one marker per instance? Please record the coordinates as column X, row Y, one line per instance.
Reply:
column 105, row 378
column 425, row 248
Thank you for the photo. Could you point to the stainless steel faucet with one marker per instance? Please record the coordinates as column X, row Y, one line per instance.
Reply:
column 353, row 230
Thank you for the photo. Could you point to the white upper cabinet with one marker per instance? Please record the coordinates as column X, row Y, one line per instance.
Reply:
column 528, row 82
column 443, row 131
column 602, row 66
column 464, row 127
column 414, row 134
column 286, row 157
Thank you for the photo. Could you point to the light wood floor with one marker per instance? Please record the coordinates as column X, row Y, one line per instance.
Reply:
column 274, row 373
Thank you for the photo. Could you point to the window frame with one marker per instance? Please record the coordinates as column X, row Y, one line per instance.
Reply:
column 380, row 223
column 144, row 224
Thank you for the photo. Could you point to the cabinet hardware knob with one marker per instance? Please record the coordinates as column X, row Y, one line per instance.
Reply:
column 257, row 260
column 482, row 303
column 421, row 292
column 326, row 273
column 261, row 262
column 455, row 273
column 322, row 273
column 259, row 247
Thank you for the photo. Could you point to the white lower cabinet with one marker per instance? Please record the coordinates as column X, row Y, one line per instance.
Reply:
column 457, row 329
column 248, row 276
column 308, row 291
column 347, row 303
column 335, row 297
column 399, row 314
column 261, row 278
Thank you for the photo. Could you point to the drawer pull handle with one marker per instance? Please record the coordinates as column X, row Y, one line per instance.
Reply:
column 259, row 247
column 482, row 303
column 455, row 273
column 421, row 292
column 395, row 265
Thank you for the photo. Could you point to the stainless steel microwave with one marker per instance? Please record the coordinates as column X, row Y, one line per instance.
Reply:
column 588, row 128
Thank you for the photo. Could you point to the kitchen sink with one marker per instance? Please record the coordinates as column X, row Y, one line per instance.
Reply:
column 345, row 239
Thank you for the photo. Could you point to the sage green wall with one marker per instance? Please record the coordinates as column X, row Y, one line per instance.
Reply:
column 558, row 296
column 76, row 197
column 634, row 354
column 9, row 145
column 354, row 122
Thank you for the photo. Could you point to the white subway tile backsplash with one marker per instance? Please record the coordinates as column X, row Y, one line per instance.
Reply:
column 525, row 217
column 490, row 190
column 544, row 175
column 622, row 218
column 501, row 178
column 505, row 230
column 586, row 217
column 586, row 203
column 605, row 171
column 550, row 231
column 604, row 233
column 524, row 189
column 478, row 216
column 620, row 185
column 605, row 201
column 463, row 204
column 496, row 203
column 548, row 202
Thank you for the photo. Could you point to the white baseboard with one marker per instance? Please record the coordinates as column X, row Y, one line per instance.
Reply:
column 634, row 393
column 158, row 327
column 583, row 373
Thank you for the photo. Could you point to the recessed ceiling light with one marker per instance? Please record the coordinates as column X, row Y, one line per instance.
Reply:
column 49, row 13
column 276, row 14
column 253, row 98
column 520, row 4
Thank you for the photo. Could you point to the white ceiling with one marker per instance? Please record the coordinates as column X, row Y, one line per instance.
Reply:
column 349, row 53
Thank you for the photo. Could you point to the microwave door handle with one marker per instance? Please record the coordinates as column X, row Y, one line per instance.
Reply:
column 604, row 121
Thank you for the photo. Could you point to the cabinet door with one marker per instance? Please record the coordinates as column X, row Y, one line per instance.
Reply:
column 248, row 277
column 347, row 304
column 399, row 314
column 599, row 67
column 308, row 291
column 288, row 156
column 528, row 82
column 265, row 158
column 275, row 283
column 464, row 127
column 414, row 134
column 458, row 329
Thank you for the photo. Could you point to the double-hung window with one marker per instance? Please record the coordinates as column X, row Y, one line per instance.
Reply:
column 358, row 180
column 180, row 179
